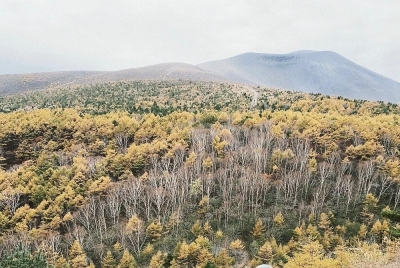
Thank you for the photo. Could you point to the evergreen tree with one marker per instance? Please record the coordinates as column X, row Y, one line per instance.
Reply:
column 19, row 258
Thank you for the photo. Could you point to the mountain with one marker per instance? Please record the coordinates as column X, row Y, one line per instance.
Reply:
column 18, row 83
column 308, row 71
column 163, row 71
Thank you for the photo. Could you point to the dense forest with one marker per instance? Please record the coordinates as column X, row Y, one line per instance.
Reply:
column 190, row 174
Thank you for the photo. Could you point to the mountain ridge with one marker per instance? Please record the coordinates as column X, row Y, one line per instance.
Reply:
column 19, row 83
column 324, row 72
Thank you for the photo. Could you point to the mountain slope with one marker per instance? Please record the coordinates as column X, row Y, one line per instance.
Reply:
column 309, row 71
column 18, row 83
column 163, row 71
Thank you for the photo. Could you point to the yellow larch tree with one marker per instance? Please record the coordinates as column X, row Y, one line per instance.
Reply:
column 279, row 220
column 108, row 261
column 157, row 261
column 223, row 260
column 77, row 256
column 127, row 260
column 154, row 230
column 258, row 230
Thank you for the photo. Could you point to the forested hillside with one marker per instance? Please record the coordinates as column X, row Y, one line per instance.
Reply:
column 179, row 174
column 164, row 97
column 140, row 97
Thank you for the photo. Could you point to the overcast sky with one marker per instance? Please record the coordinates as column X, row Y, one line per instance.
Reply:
column 58, row 35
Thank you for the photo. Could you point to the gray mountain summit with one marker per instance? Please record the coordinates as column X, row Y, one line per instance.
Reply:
column 322, row 72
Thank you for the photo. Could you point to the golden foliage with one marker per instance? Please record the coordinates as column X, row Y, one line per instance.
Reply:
column 127, row 260
column 157, row 261
column 279, row 220
column 236, row 245
column 154, row 230
column 134, row 225
column 259, row 229
column 223, row 260
column 108, row 261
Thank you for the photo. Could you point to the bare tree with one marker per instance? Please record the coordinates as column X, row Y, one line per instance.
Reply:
column 366, row 177
column 114, row 204
column 10, row 199
column 122, row 139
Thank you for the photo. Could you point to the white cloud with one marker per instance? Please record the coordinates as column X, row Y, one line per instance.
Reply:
column 111, row 35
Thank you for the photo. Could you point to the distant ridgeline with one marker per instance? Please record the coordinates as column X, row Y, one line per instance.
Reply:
column 322, row 72
column 190, row 174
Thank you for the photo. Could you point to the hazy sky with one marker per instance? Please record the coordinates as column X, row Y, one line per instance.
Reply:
column 60, row 35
